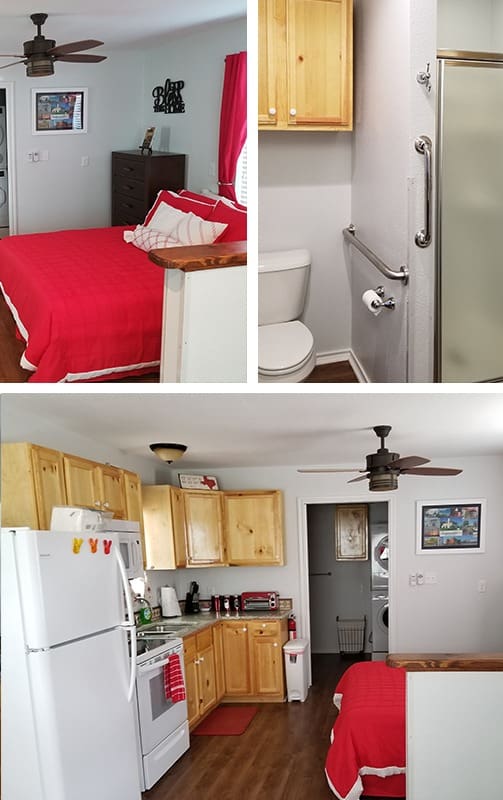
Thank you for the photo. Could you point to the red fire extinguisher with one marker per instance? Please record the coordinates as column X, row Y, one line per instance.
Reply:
column 292, row 628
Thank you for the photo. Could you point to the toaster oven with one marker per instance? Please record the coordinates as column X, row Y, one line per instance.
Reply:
column 259, row 601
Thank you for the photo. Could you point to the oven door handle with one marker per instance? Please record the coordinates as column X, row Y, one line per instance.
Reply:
column 129, row 625
column 144, row 670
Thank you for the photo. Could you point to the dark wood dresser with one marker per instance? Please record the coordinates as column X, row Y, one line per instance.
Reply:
column 137, row 178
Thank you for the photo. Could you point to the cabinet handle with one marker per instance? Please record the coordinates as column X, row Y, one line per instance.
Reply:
column 97, row 503
column 272, row 112
column 201, row 660
column 244, row 630
column 106, row 504
column 264, row 624
column 275, row 644
column 293, row 112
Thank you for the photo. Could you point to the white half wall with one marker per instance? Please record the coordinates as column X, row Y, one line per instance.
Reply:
column 197, row 59
column 305, row 201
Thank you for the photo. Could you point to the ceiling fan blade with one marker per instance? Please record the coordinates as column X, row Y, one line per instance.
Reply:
column 72, row 47
column 330, row 469
column 4, row 66
column 408, row 461
column 80, row 58
column 360, row 478
column 431, row 471
column 10, row 55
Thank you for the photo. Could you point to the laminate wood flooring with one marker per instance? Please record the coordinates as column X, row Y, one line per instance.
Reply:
column 338, row 372
column 281, row 756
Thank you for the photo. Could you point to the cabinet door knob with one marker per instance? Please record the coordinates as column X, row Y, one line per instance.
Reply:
column 272, row 111
column 106, row 504
column 293, row 112
column 97, row 503
column 201, row 659
column 275, row 644
column 244, row 630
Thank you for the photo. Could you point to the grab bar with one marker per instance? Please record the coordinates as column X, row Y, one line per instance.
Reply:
column 423, row 146
column 350, row 236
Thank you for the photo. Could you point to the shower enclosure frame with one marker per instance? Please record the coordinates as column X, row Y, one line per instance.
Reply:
column 450, row 58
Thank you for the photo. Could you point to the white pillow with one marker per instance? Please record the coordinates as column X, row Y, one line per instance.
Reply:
column 148, row 239
column 186, row 228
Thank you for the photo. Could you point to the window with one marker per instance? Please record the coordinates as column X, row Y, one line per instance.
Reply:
column 241, row 177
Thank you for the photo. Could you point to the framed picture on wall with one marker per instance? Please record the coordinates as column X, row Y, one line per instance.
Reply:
column 197, row 482
column 59, row 111
column 351, row 532
column 452, row 526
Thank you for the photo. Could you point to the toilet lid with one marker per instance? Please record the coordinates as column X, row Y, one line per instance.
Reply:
column 283, row 346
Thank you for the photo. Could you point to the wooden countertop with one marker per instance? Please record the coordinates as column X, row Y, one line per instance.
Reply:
column 450, row 662
column 200, row 257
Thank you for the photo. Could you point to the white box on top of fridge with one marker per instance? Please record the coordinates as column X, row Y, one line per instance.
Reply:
column 69, row 727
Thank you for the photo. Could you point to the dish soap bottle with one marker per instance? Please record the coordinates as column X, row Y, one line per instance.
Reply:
column 145, row 612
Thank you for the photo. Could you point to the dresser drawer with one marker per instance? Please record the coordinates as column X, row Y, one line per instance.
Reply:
column 264, row 628
column 127, row 210
column 129, row 168
column 129, row 187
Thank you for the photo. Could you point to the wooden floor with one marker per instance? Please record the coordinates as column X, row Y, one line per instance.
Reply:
column 339, row 372
column 281, row 756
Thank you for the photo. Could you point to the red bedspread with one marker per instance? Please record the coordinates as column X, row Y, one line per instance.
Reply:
column 88, row 305
column 368, row 737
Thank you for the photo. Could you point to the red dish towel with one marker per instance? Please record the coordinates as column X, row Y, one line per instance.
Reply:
column 174, row 687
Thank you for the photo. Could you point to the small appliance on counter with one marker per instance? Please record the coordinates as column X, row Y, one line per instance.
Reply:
column 169, row 602
column 192, row 599
column 260, row 601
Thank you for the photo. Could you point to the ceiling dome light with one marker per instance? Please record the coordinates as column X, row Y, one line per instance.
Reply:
column 39, row 67
column 168, row 452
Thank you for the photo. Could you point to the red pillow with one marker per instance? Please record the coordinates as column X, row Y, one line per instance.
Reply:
column 185, row 204
column 233, row 218
column 201, row 198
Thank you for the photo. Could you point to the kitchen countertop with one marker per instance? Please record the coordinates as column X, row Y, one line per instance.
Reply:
column 193, row 623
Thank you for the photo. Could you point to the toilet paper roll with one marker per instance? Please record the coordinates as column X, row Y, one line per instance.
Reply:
column 370, row 297
column 169, row 602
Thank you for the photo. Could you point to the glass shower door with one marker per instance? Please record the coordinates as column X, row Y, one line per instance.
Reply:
column 470, row 221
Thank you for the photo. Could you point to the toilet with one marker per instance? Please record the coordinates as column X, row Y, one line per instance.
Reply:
column 285, row 345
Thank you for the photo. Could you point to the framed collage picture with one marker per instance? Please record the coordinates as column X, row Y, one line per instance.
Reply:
column 59, row 111
column 451, row 526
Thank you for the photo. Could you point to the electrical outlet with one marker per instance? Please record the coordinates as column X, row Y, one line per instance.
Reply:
column 482, row 586
column 413, row 579
column 420, row 578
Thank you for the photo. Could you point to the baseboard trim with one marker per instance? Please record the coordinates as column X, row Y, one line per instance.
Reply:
column 343, row 355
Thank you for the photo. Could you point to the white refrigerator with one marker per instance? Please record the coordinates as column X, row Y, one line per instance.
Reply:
column 68, row 721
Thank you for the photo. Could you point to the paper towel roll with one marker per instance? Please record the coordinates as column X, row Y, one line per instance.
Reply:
column 169, row 602
column 370, row 297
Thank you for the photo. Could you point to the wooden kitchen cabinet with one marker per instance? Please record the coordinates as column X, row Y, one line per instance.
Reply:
column 200, row 681
column 218, row 651
column 33, row 482
column 267, row 640
column 93, row 485
column 253, row 660
column 35, row 478
column 253, row 523
column 164, row 527
column 204, row 528
column 305, row 64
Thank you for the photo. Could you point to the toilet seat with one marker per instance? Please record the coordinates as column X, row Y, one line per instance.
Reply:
column 285, row 351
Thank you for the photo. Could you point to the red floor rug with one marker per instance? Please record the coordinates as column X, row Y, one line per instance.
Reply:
column 226, row 721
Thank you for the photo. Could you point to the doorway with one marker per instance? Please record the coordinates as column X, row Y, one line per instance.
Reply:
column 347, row 596
column 4, row 174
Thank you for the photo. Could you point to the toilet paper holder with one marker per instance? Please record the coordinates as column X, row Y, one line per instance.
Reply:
column 390, row 303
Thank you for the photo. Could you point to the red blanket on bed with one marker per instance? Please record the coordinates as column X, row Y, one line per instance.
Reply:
column 368, row 737
column 88, row 305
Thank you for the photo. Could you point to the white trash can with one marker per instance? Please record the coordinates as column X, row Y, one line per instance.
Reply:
column 295, row 652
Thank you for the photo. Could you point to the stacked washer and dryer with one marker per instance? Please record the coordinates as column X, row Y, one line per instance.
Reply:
column 379, row 586
column 4, row 182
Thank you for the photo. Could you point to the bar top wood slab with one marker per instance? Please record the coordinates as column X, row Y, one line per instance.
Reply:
column 200, row 257
column 450, row 662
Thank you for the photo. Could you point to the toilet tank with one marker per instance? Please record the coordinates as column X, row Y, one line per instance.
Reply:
column 282, row 285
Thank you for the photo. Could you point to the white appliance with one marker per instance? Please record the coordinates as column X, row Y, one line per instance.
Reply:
column 380, row 614
column 379, row 556
column 163, row 725
column 68, row 680
column 73, row 518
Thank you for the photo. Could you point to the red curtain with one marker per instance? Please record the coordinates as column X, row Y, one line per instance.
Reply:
column 232, row 122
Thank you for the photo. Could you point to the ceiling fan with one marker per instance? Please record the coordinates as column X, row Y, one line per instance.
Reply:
column 383, row 467
column 41, row 53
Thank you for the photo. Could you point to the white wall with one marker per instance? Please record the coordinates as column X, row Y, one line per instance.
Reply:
column 18, row 426
column 59, row 193
column 448, row 616
column 305, row 201
column 197, row 59
column 470, row 25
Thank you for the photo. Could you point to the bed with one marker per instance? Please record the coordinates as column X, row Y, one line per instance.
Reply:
column 367, row 751
column 87, row 303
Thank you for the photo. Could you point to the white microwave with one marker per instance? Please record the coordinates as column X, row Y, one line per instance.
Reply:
column 129, row 539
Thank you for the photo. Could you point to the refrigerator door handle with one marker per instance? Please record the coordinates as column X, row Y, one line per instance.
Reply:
column 130, row 625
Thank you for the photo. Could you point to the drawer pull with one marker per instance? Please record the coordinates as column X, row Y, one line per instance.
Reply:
column 126, row 205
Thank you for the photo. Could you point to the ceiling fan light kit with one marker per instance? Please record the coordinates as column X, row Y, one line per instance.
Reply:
column 383, row 467
column 41, row 53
